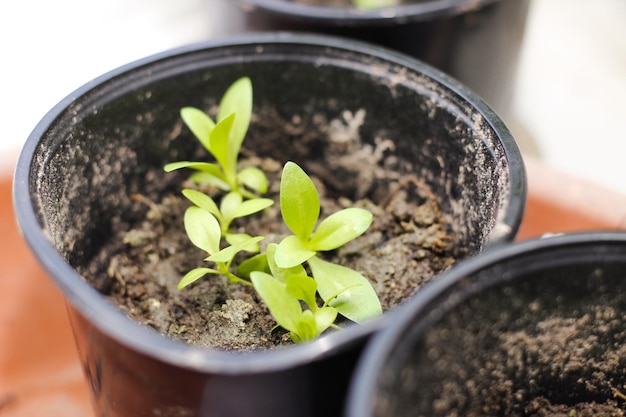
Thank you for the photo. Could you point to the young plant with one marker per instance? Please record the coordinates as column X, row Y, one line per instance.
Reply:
column 204, row 231
column 232, row 206
column 340, row 287
column 206, row 223
column 223, row 140
column 279, row 274
column 375, row 4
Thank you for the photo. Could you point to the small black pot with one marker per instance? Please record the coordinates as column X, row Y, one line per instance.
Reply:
column 505, row 333
column 123, row 125
column 476, row 41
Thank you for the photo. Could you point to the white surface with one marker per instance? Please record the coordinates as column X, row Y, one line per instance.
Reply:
column 569, row 108
column 50, row 48
column 571, row 90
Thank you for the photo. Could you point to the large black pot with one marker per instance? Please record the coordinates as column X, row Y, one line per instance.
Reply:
column 506, row 333
column 121, row 125
column 476, row 41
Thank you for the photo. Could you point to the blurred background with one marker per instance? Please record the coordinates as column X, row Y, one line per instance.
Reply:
column 568, row 107
column 568, row 112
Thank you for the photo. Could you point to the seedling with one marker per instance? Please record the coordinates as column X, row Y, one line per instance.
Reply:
column 375, row 4
column 223, row 140
column 279, row 275
column 343, row 288
column 231, row 207
column 204, row 231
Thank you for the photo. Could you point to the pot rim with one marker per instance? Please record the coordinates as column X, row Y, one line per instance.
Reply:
column 115, row 324
column 374, row 357
column 338, row 16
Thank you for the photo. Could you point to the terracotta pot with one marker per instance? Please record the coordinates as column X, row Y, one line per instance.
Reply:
column 119, row 124
column 505, row 333
column 477, row 42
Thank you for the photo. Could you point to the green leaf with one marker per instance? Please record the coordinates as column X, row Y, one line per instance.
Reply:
column 249, row 207
column 229, row 205
column 199, row 123
column 285, row 308
column 237, row 100
column 303, row 288
column 340, row 228
column 254, row 179
column 299, row 201
column 207, row 166
column 219, row 146
column 207, row 173
column 239, row 238
column 254, row 263
column 355, row 297
column 200, row 166
column 306, row 327
column 291, row 251
column 375, row 4
column 194, row 275
column 203, row 201
column 228, row 253
column 279, row 273
column 324, row 318
column 203, row 229
column 203, row 178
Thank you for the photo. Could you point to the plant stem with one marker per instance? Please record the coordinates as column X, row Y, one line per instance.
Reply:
column 234, row 278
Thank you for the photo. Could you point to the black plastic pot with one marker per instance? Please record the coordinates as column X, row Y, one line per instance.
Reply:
column 539, row 319
column 476, row 41
column 123, row 124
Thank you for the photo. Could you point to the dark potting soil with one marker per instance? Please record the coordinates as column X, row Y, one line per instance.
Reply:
column 523, row 360
column 583, row 354
column 406, row 246
column 542, row 407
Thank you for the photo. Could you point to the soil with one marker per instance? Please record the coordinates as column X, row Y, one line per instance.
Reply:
column 542, row 407
column 580, row 353
column 509, row 355
column 406, row 246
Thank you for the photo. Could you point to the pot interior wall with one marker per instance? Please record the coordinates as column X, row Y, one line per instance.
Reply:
column 113, row 140
column 548, row 326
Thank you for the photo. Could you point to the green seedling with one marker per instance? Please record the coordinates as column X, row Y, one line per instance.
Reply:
column 343, row 288
column 232, row 206
column 300, row 208
column 278, row 275
column 375, row 4
column 204, row 231
column 223, row 140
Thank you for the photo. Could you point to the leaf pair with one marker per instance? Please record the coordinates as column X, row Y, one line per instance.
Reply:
column 223, row 140
column 204, row 230
column 232, row 206
column 300, row 208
